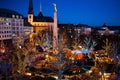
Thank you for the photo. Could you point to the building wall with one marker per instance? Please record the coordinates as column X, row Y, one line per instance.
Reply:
column 5, row 28
column 28, row 30
column 106, row 32
column 17, row 24
column 39, row 26
column 11, row 26
column 30, row 17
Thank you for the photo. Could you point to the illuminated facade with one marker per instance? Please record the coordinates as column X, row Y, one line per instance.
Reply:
column 11, row 23
column 105, row 30
column 39, row 22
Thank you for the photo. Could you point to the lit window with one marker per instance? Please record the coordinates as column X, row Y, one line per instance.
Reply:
column 17, row 16
column 13, row 16
column 7, row 19
column 7, row 23
column 20, row 17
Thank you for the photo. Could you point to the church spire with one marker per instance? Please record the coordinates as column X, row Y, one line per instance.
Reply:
column 40, row 13
column 30, row 9
column 40, row 6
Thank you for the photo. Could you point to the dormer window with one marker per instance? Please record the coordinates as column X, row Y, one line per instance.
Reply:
column 20, row 17
column 17, row 16
column 6, row 19
column 13, row 16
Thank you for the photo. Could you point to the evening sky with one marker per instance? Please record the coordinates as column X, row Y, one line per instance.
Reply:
column 90, row 12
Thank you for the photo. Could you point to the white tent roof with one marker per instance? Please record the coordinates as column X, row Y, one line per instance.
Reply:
column 76, row 52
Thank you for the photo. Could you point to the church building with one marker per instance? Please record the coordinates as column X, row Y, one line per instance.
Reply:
column 39, row 22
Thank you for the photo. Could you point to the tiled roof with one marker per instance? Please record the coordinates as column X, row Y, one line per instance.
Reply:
column 41, row 18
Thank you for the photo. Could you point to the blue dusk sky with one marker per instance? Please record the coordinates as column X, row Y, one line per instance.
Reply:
column 90, row 12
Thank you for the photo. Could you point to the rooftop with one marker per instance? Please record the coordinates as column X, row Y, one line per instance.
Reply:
column 8, row 13
column 41, row 18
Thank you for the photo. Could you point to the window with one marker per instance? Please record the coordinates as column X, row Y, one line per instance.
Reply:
column 21, row 24
column 13, row 16
column 6, row 19
column 17, row 28
column 7, row 23
column 17, row 32
column 13, row 20
column 20, row 17
column 13, row 24
column 21, row 20
column 13, row 28
column 17, row 24
column 13, row 31
column 17, row 16
column 29, row 16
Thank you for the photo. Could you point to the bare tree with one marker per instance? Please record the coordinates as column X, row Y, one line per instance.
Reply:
column 20, row 57
column 58, row 62
column 76, row 43
column 89, row 43
column 107, row 47
column 114, row 51
column 64, row 38
column 40, row 38
column 44, row 39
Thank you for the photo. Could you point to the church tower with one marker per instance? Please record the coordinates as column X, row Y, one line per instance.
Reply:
column 30, row 11
column 39, row 22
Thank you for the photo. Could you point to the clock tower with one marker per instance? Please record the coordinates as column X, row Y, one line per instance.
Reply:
column 30, row 12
